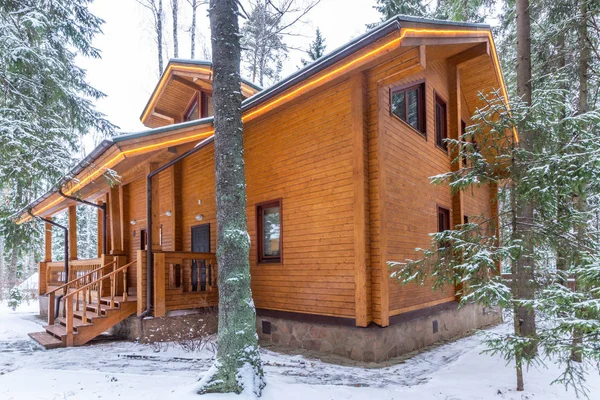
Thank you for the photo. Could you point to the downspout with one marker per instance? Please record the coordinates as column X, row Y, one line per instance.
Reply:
column 66, row 249
column 149, row 253
column 89, row 203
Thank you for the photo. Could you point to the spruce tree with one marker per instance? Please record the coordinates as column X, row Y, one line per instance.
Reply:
column 316, row 49
column 45, row 104
column 238, row 366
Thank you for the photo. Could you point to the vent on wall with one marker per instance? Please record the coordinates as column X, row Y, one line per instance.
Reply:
column 435, row 326
column 266, row 327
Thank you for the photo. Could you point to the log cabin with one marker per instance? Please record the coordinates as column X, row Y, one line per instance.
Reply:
column 337, row 160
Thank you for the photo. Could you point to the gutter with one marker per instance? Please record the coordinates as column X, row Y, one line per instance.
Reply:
column 149, row 250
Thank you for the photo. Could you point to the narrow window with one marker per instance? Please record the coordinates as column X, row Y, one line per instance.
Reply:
column 192, row 112
column 408, row 104
column 269, row 232
column 441, row 128
column 204, row 104
column 465, row 219
column 443, row 219
column 143, row 239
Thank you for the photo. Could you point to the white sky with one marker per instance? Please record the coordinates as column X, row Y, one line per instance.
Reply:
column 128, row 71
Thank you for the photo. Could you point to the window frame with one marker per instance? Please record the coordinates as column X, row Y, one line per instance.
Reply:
column 421, row 105
column 447, row 214
column 260, row 257
column 437, row 99
column 194, row 102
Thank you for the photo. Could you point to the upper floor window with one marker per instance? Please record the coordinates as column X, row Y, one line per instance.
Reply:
column 269, row 232
column 443, row 219
column 441, row 126
column 408, row 104
column 192, row 112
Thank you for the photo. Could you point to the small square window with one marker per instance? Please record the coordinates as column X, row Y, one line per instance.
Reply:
column 269, row 232
column 408, row 104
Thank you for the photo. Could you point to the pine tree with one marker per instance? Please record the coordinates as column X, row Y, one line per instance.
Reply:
column 238, row 366
column 316, row 49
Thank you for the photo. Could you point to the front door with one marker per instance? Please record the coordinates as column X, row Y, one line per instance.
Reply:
column 200, row 244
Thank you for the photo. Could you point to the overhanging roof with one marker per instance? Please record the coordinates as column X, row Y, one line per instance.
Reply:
column 301, row 81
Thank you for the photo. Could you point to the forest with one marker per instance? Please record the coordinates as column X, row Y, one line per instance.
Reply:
column 545, row 143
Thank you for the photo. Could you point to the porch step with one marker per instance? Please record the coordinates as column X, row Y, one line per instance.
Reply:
column 58, row 331
column 76, row 322
column 119, row 299
column 46, row 340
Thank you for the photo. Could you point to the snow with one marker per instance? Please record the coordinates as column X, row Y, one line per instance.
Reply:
column 111, row 370
column 30, row 283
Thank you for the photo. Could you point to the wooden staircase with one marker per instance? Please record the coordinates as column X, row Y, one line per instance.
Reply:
column 86, row 313
column 87, row 327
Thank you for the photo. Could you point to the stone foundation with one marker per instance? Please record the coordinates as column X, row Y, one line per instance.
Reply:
column 176, row 325
column 407, row 332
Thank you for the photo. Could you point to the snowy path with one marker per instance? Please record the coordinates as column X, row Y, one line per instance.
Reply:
column 111, row 370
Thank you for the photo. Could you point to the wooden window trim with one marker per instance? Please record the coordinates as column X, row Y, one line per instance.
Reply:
column 446, row 210
column 203, row 105
column 422, row 105
column 195, row 100
column 260, row 259
column 439, row 99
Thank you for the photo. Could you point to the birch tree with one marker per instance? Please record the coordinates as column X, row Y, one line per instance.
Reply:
column 238, row 366
column 156, row 9
column 175, row 13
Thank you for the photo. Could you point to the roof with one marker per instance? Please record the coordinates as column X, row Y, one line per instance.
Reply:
column 263, row 96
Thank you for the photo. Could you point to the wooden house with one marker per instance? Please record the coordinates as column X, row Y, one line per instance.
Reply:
column 338, row 158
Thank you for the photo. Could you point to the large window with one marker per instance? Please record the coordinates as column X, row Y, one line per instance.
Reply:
column 441, row 126
column 408, row 104
column 269, row 232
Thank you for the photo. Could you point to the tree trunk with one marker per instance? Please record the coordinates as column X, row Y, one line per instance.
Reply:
column 238, row 362
column 159, row 38
column 175, row 9
column 583, row 107
column 523, row 277
column 12, row 269
column 193, row 29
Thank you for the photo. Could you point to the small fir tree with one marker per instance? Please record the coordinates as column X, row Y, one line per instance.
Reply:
column 316, row 49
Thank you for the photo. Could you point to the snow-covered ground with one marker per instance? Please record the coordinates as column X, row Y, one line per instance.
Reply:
column 112, row 370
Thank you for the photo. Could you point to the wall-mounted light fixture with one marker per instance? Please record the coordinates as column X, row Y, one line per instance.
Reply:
column 199, row 217
column 168, row 213
column 133, row 222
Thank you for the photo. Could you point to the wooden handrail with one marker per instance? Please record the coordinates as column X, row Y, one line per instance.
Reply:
column 116, row 271
column 85, row 289
column 81, row 277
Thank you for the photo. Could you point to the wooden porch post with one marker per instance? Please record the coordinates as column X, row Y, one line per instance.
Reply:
column 176, row 209
column 48, row 241
column 359, row 176
column 73, row 232
column 454, row 131
column 114, row 204
column 156, row 246
column 99, row 231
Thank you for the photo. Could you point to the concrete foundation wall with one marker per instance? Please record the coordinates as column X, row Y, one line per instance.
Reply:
column 408, row 332
column 43, row 300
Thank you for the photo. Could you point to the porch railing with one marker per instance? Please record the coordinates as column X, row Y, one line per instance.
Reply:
column 72, row 302
column 183, row 276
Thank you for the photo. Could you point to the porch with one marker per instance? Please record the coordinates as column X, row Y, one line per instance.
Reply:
column 85, row 298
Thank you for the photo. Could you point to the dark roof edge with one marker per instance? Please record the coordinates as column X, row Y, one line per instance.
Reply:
column 162, row 129
column 410, row 18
